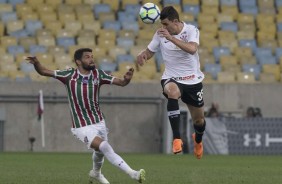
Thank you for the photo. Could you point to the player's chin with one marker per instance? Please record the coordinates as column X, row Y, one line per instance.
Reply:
column 91, row 67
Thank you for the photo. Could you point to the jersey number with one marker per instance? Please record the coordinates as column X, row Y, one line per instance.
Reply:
column 200, row 95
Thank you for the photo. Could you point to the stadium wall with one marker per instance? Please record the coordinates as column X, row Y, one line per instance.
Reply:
column 134, row 114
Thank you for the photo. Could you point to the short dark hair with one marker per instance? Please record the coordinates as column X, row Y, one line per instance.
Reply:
column 170, row 13
column 79, row 52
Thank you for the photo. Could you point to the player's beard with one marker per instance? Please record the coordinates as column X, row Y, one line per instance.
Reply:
column 88, row 67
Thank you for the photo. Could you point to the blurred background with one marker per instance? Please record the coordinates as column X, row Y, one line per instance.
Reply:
column 240, row 54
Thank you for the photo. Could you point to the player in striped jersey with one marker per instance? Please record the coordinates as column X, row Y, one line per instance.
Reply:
column 88, row 123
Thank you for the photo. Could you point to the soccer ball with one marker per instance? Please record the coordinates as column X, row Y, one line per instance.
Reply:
column 149, row 13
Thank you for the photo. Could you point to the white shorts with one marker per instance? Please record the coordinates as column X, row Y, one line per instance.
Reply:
column 88, row 133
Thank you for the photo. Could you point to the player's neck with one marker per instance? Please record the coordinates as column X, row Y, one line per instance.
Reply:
column 180, row 26
column 83, row 71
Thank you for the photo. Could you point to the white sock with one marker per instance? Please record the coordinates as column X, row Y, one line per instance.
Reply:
column 98, row 160
column 115, row 159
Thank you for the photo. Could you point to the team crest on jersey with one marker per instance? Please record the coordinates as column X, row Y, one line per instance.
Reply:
column 95, row 81
column 184, row 37
column 86, row 139
column 85, row 80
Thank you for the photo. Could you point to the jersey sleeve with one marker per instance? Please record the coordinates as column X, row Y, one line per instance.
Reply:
column 194, row 34
column 155, row 43
column 105, row 78
column 63, row 75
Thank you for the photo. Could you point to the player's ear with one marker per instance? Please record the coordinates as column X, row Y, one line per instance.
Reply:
column 77, row 62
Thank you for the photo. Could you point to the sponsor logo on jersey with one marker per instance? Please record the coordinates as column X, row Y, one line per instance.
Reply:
column 189, row 77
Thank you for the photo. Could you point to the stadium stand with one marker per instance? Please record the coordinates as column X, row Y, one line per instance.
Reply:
column 235, row 44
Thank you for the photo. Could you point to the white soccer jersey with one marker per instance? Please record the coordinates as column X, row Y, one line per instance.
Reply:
column 180, row 65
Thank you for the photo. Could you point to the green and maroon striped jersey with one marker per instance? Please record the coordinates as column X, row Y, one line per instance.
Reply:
column 83, row 94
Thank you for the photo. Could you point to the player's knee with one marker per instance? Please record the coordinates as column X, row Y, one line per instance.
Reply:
column 172, row 91
column 173, row 94
column 199, row 121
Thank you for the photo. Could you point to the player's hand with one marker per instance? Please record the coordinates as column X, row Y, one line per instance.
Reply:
column 128, row 75
column 164, row 33
column 141, row 58
column 32, row 59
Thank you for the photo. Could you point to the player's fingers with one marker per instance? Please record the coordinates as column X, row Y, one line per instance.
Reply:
column 145, row 57
column 131, row 70
column 30, row 58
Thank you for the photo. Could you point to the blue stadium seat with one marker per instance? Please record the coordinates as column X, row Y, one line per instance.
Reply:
column 8, row 16
column 15, row 2
column 248, row 43
column 65, row 42
column 253, row 10
column 171, row 2
column 99, row 8
column 124, row 58
column 113, row 25
column 15, row 49
column 252, row 68
column 193, row 9
column 33, row 49
column 108, row 67
column 212, row 69
column 278, row 3
column 133, row 25
column 125, row 17
column 263, row 52
column 32, row 25
column 19, row 33
column 127, row 43
column 220, row 51
column 262, row 60
column 249, row 3
column 229, row 26
column 133, row 9
column 26, row 67
column 279, row 26
column 228, row 2
column 278, row 53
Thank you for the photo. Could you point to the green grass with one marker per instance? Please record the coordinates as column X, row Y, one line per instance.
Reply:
column 73, row 168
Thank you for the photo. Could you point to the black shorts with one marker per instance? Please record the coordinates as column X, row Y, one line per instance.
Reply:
column 191, row 94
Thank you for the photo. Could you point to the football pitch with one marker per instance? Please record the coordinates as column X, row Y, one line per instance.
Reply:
column 73, row 168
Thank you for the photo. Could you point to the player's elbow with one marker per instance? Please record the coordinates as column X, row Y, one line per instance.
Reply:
column 192, row 47
column 193, row 51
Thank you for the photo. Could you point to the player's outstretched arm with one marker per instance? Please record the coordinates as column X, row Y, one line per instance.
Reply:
column 40, row 68
column 126, row 78
column 144, row 56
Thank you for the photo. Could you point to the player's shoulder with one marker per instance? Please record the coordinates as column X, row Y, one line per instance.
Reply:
column 65, row 71
column 190, row 27
column 102, row 72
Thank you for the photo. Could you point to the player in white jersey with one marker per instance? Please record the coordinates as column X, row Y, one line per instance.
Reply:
column 182, row 77
column 83, row 84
